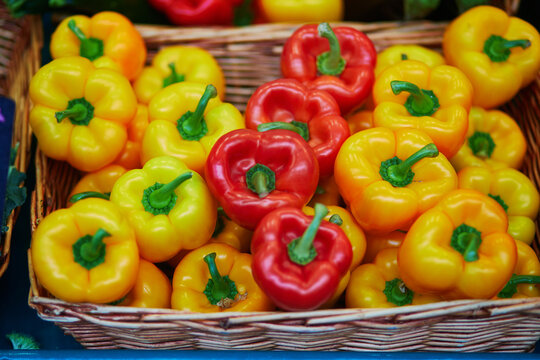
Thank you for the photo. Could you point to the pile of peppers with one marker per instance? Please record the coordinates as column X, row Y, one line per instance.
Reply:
column 357, row 179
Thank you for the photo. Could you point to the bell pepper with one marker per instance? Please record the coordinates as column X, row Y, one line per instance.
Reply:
column 99, row 183
column 168, row 206
column 86, row 253
column 185, row 122
column 494, row 140
column 80, row 113
column 342, row 218
column 230, row 233
column 410, row 94
column 217, row 277
column 108, row 39
column 360, row 120
column 299, row 260
column 327, row 193
column 500, row 54
column 174, row 64
column 344, row 57
column 252, row 173
column 526, row 277
column 379, row 285
column 376, row 243
column 404, row 165
column 130, row 156
column 301, row 11
column 459, row 249
column 152, row 288
column 314, row 114
column 397, row 53
column 514, row 191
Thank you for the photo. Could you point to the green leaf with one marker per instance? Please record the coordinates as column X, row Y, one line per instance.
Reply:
column 22, row 342
column 15, row 194
column 419, row 9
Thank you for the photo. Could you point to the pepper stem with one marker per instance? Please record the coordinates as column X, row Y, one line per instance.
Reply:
column 89, row 194
column 174, row 77
column 398, row 172
column 261, row 180
column 466, row 240
column 336, row 219
column 160, row 199
column 420, row 102
column 243, row 14
column 498, row 48
column 511, row 286
column 481, row 144
column 192, row 125
column 301, row 250
column 79, row 112
column 91, row 48
column 296, row 126
column 330, row 62
column 398, row 293
column 218, row 287
column 89, row 251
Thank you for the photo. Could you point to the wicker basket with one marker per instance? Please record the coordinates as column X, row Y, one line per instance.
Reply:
column 250, row 57
column 20, row 58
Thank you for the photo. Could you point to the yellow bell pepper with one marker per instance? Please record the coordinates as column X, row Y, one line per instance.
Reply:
column 376, row 243
column 327, row 193
column 500, row 54
column 100, row 182
column 214, row 278
column 86, row 253
column 514, row 191
column 186, row 121
column 379, row 285
column 80, row 113
column 108, row 39
column 360, row 120
column 169, row 207
column 174, row 64
column 526, row 277
column 436, row 100
column 396, row 53
column 130, row 156
column 414, row 177
column 459, row 249
column 230, row 233
column 301, row 11
column 152, row 288
column 494, row 140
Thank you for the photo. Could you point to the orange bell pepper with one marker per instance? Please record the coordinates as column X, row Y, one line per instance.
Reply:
column 130, row 157
column 376, row 243
column 100, row 182
column 526, row 277
column 360, row 120
column 327, row 193
column 230, row 233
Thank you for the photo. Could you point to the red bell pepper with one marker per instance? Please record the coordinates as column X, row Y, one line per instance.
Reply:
column 252, row 173
column 299, row 260
column 341, row 62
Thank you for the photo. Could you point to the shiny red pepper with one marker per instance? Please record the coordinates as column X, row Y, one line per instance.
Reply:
column 298, row 260
column 252, row 173
column 341, row 62
column 314, row 114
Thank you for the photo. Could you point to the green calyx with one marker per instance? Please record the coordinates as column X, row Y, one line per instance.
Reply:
column 398, row 172
column 481, row 144
column 89, row 194
column 218, row 287
column 511, row 286
column 298, row 127
column 91, row 48
column 301, row 250
column 191, row 125
column 220, row 222
column 466, row 240
column 398, row 293
column 501, row 202
column 243, row 15
column 79, row 112
column 420, row 102
column 336, row 219
column 159, row 198
column 174, row 77
column 330, row 62
column 261, row 180
column 498, row 49
column 404, row 57
column 89, row 251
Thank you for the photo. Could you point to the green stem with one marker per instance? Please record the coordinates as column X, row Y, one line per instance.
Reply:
column 330, row 62
column 481, row 144
column 79, row 112
column 420, row 102
column 89, row 251
column 398, row 293
column 91, row 48
column 160, row 199
column 298, row 127
column 466, row 240
column 511, row 286
column 336, row 219
column 218, row 287
column 500, row 200
column 498, row 49
column 301, row 250
column 404, row 57
column 398, row 172
column 261, row 180
column 192, row 125
column 174, row 77
column 89, row 194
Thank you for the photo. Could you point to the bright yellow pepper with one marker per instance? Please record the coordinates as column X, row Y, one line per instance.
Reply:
column 80, row 113
column 526, row 277
column 174, row 64
column 376, row 243
column 186, row 121
column 459, row 249
column 494, row 140
column 327, row 193
column 168, row 205
column 514, row 191
column 396, row 53
column 101, row 181
column 108, row 39
column 500, row 54
column 130, row 156
column 379, row 285
column 300, row 11
column 230, row 233
column 214, row 278
column 152, row 289
column 86, row 253
column 436, row 100
column 360, row 120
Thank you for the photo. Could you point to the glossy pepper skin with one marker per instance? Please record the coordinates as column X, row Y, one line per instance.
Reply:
column 376, row 243
column 314, row 114
column 379, row 285
column 178, row 63
column 526, row 276
column 493, row 140
column 252, row 173
column 347, row 69
column 168, row 205
column 301, row 11
column 327, row 193
column 108, row 39
column 86, row 253
column 80, row 113
column 436, row 100
column 403, row 165
column 498, row 53
column 130, row 156
column 459, row 249
column 299, row 260
column 514, row 191
column 101, row 181
column 230, row 233
column 215, row 278
column 186, row 120
column 360, row 120
column 397, row 53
